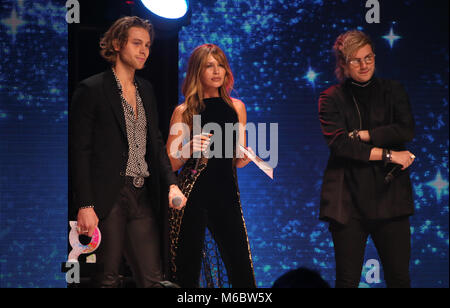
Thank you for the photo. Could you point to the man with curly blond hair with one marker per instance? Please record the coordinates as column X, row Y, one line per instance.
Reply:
column 118, row 159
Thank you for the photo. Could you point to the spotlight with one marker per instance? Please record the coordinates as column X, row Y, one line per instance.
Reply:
column 166, row 15
column 170, row 9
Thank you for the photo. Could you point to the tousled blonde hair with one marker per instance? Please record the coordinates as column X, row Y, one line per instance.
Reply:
column 345, row 46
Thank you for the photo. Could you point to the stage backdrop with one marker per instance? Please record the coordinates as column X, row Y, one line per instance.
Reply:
column 280, row 54
column 33, row 143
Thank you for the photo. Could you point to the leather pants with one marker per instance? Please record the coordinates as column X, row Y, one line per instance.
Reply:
column 131, row 230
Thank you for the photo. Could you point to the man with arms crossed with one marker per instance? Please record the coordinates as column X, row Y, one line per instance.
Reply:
column 366, row 189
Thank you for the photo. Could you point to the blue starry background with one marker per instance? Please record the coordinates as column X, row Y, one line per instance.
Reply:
column 280, row 53
column 33, row 143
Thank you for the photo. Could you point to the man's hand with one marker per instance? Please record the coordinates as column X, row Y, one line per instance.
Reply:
column 87, row 221
column 364, row 135
column 403, row 158
column 173, row 193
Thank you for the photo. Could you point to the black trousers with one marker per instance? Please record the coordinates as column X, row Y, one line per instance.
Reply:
column 392, row 239
column 224, row 220
column 130, row 230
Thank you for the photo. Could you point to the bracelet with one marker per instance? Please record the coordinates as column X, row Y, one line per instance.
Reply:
column 86, row 207
column 386, row 156
column 355, row 135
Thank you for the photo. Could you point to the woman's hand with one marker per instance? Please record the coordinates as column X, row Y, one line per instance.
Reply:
column 243, row 161
column 199, row 143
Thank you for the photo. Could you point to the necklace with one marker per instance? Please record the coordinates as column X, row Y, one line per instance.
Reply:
column 363, row 85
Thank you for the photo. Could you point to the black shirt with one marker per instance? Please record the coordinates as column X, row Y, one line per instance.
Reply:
column 351, row 181
column 365, row 180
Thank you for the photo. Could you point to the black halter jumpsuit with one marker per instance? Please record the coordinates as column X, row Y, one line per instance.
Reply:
column 214, row 203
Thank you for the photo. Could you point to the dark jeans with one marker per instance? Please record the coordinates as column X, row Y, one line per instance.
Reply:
column 130, row 230
column 391, row 237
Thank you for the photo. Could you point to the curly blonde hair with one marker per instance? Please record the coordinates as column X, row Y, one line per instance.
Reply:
column 345, row 46
column 118, row 34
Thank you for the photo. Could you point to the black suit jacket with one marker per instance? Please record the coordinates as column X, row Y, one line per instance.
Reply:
column 392, row 125
column 98, row 145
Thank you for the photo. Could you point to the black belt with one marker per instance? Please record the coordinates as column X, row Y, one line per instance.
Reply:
column 137, row 181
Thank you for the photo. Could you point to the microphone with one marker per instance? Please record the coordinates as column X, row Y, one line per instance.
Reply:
column 176, row 201
column 390, row 176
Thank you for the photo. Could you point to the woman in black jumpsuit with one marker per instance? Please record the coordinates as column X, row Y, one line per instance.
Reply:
column 210, row 184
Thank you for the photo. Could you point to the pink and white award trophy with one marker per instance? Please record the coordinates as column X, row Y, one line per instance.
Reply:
column 79, row 248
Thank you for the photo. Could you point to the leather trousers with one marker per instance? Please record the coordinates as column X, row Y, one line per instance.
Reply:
column 130, row 230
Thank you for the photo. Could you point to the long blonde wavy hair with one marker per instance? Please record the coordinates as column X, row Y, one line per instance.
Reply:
column 192, row 88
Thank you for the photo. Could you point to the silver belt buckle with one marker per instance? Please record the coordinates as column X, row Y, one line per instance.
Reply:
column 138, row 181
